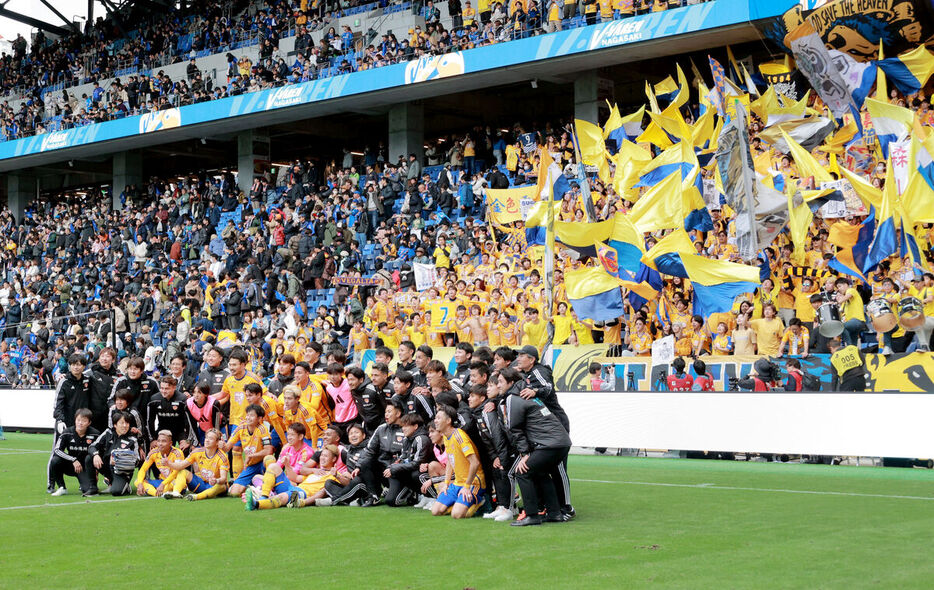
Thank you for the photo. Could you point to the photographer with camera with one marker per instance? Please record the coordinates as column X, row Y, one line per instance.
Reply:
column 765, row 377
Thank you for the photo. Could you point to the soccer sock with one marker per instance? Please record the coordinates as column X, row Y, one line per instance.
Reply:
column 211, row 492
column 237, row 462
column 269, row 482
column 273, row 502
column 179, row 484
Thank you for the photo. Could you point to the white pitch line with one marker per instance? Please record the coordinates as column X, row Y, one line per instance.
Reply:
column 85, row 503
column 2, row 448
column 708, row 486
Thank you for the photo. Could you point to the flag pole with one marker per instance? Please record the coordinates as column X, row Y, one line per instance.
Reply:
column 548, row 263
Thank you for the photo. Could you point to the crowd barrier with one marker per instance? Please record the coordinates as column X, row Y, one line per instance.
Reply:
column 894, row 373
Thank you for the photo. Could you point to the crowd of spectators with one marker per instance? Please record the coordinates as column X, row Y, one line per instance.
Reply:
column 103, row 51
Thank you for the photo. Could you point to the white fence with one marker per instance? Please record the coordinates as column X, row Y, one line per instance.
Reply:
column 860, row 424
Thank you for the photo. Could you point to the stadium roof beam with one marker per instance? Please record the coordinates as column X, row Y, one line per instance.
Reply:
column 112, row 11
column 70, row 24
column 32, row 22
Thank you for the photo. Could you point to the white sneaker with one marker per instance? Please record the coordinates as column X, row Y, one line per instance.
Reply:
column 503, row 514
column 355, row 503
column 60, row 492
column 323, row 502
column 171, row 495
column 429, row 504
column 491, row 514
column 421, row 501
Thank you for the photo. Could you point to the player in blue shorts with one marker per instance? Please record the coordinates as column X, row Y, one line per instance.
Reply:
column 462, row 491
column 253, row 439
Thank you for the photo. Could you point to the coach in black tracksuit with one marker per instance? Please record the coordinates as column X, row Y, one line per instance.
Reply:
column 141, row 386
column 167, row 410
column 403, row 473
column 104, row 447
column 382, row 450
column 70, row 452
column 542, row 444
column 539, row 384
column 73, row 393
column 371, row 405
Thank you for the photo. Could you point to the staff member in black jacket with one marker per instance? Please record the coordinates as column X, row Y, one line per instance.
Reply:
column 539, row 384
column 140, row 385
column 371, row 405
column 382, row 450
column 73, row 394
column 168, row 410
column 114, row 454
column 542, row 444
column 71, row 450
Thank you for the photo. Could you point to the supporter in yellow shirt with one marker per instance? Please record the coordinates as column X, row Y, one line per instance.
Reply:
column 851, row 308
column 534, row 330
column 769, row 330
column 722, row 344
column 639, row 338
column 796, row 338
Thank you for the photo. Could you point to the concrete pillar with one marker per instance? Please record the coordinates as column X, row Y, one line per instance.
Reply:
column 252, row 157
column 407, row 131
column 127, row 170
column 20, row 191
column 591, row 91
column 585, row 97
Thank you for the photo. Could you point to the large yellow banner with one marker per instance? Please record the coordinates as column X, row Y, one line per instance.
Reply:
column 506, row 204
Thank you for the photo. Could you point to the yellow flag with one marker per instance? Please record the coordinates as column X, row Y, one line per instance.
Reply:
column 868, row 194
column 630, row 161
column 882, row 88
column 592, row 147
column 799, row 220
column 653, row 103
column 662, row 207
column 807, row 164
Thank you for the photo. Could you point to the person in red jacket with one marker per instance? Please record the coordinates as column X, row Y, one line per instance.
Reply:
column 680, row 380
column 702, row 381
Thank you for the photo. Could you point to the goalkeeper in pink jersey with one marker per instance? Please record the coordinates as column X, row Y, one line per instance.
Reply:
column 272, row 489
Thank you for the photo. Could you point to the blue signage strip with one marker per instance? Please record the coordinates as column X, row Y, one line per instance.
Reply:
column 679, row 21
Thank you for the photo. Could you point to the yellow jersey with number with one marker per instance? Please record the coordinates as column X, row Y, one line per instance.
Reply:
column 458, row 447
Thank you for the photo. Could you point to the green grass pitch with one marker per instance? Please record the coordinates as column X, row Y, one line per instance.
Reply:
column 641, row 523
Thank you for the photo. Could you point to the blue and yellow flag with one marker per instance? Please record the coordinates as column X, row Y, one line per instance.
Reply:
column 852, row 242
column 593, row 294
column 909, row 71
column 717, row 283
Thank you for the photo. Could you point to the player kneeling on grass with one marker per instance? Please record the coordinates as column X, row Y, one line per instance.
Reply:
column 312, row 491
column 403, row 473
column 252, row 438
column 70, row 452
column 462, row 491
column 161, row 458
column 114, row 455
column 272, row 489
column 209, row 478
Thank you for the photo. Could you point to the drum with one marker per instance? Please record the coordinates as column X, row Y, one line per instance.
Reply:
column 881, row 316
column 910, row 312
column 828, row 315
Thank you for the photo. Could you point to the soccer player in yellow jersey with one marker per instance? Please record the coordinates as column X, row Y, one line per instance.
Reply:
column 161, row 458
column 315, row 399
column 209, row 478
column 252, row 438
column 464, row 481
column 270, row 405
column 234, row 391
column 295, row 412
